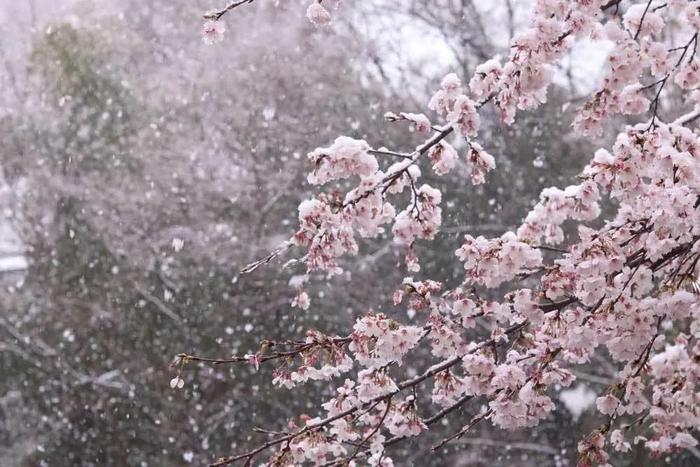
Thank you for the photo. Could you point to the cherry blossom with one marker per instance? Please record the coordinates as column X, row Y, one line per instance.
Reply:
column 492, row 262
column 420, row 122
column 479, row 162
column 607, row 404
column 444, row 158
column 617, row 439
column 378, row 341
column 317, row 14
column 345, row 157
column 213, row 31
column 422, row 219
column 486, row 78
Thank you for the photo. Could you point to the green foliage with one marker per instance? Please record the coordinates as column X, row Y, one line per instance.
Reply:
column 87, row 105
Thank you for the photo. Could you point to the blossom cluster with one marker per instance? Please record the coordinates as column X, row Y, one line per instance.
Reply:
column 640, row 50
column 322, row 358
column 378, row 341
column 318, row 11
column 493, row 262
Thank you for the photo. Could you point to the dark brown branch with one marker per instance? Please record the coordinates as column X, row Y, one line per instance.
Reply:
column 641, row 20
column 298, row 348
column 272, row 255
column 405, row 384
column 461, row 432
column 372, row 433
column 217, row 14
column 376, row 152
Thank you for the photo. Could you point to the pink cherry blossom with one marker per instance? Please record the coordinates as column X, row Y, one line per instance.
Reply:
column 606, row 264
column 317, row 14
column 213, row 31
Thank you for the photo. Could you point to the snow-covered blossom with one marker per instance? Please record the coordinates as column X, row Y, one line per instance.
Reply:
column 543, row 222
column 444, row 158
column 632, row 100
column 213, row 31
column 327, row 235
column 464, row 116
column 657, row 55
column 317, row 14
column 443, row 99
column 479, row 370
column 420, row 122
column 403, row 420
column 592, row 450
column 486, row 78
column 524, row 304
column 377, row 341
column 422, row 219
column 607, row 404
column 492, row 262
column 651, row 24
column 254, row 359
column 479, row 163
column 447, row 389
column 452, row 85
column 508, row 376
column 688, row 76
column 374, row 384
column 302, row 300
column 344, row 158
column 321, row 358
column 617, row 439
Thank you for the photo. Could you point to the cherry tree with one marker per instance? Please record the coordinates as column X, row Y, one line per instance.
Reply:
column 625, row 284
column 112, row 236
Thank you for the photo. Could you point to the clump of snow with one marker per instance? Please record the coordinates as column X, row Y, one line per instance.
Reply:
column 577, row 400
